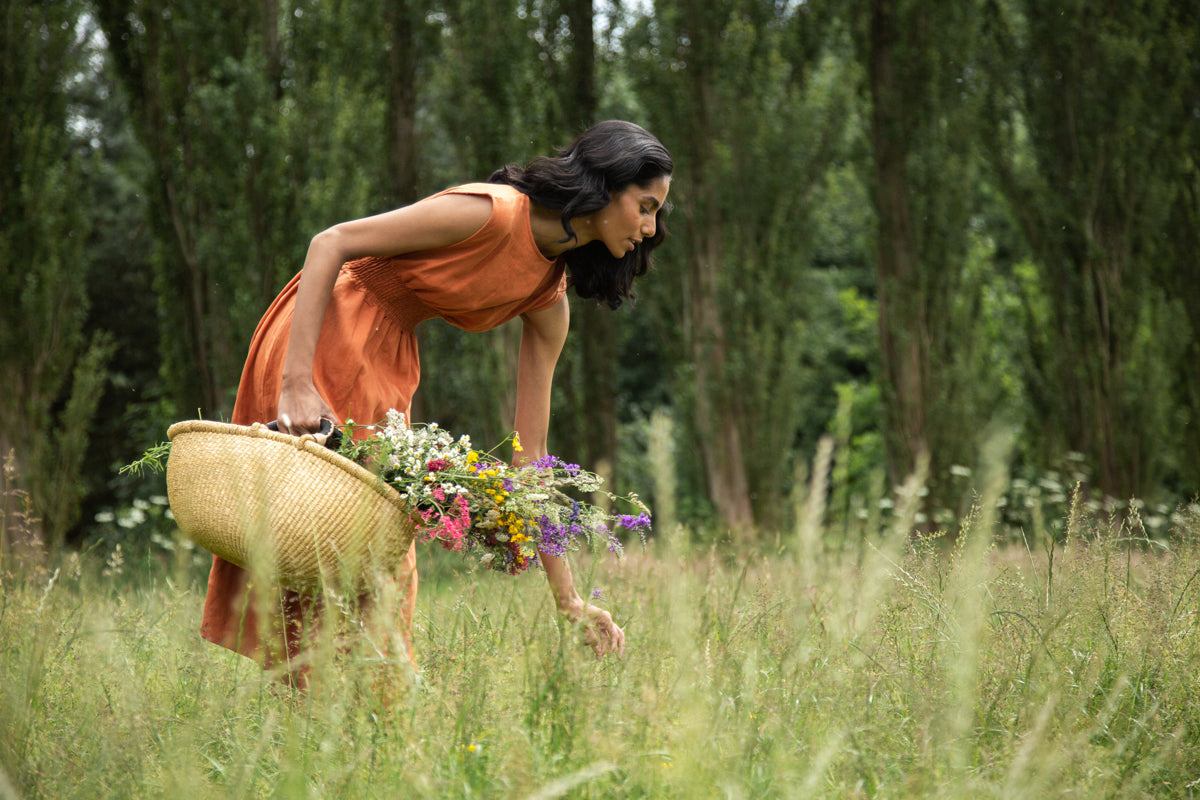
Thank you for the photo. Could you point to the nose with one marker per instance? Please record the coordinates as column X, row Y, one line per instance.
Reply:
column 648, row 227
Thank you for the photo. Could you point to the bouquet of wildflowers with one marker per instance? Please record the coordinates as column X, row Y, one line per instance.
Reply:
column 470, row 501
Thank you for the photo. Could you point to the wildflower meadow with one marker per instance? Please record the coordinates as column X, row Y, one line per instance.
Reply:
column 974, row 662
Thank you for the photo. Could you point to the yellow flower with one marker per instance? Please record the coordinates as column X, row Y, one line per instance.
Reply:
column 472, row 457
column 517, row 442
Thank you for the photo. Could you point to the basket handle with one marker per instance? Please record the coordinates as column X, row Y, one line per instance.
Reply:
column 329, row 435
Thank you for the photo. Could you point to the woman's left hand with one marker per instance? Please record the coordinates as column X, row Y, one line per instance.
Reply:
column 600, row 632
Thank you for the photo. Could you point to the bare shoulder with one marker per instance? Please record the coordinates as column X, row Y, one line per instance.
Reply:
column 452, row 217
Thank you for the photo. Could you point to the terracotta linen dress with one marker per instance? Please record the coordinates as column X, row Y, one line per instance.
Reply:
column 366, row 363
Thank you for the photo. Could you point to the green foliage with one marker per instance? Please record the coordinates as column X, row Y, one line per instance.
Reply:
column 250, row 134
column 172, row 172
column 151, row 460
column 756, row 333
column 943, row 356
column 54, row 367
column 1086, row 100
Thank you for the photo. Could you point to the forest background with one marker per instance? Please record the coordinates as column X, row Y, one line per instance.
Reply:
column 898, row 226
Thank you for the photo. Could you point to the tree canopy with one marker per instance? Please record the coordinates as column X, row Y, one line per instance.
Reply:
column 899, row 224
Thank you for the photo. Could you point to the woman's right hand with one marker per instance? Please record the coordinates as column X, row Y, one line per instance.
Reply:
column 301, row 409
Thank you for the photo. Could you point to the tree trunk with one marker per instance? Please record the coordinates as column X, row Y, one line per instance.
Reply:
column 402, row 102
column 139, row 46
column 593, row 322
column 901, row 308
column 716, row 405
column 717, row 413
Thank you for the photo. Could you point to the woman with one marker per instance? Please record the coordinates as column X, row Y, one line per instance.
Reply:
column 338, row 342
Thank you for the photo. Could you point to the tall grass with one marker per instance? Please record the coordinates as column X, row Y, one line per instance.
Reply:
column 896, row 667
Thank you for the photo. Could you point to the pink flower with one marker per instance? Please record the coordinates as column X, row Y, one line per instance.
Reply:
column 431, row 521
column 452, row 527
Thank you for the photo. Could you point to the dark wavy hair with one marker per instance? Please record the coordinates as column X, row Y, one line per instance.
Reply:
column 580, row 180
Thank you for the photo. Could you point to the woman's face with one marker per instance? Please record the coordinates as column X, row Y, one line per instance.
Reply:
column 629, row 216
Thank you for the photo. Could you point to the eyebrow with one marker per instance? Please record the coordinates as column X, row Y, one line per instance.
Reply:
column 654, row 204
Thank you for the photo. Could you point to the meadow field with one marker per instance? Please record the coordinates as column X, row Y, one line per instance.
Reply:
column 968, row 665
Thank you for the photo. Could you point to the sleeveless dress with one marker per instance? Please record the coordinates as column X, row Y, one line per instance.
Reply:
column 366, row 363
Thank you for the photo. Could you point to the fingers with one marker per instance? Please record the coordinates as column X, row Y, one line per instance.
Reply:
column 299, row 427
column 301, row 411
column 603, row 635
column 618, row 641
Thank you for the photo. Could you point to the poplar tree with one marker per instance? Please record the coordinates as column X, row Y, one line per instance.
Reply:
column 754, row 116
column 1093, row 109
column 53, row 368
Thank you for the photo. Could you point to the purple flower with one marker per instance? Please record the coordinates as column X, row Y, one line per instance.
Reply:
column 638, row 524
column 554, row 462
column 555, row 538
column 597, row 594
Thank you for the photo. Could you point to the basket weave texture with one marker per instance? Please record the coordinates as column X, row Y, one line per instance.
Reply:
column 258, row 498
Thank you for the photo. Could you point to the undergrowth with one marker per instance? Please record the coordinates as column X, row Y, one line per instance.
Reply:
column 938, row 666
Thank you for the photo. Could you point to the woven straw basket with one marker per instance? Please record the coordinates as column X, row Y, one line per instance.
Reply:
column 262, row 499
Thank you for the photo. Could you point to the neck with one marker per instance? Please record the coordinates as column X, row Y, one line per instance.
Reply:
column 548, row 231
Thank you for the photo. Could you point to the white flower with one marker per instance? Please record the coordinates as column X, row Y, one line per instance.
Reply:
column 162, row 541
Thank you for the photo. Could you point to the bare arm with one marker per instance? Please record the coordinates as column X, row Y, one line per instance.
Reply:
column 436, row 222
column 542, row 337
